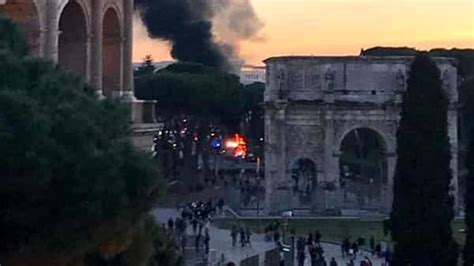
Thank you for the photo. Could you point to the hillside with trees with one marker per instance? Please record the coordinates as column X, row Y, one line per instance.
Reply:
column 73, row 189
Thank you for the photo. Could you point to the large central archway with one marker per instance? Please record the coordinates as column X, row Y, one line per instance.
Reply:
column 111, row 54
column 25, row 14
column 73, row 39
column 363, row 169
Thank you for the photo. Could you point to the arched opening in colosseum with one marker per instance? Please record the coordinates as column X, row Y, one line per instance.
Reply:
column 25, row 14
column 363, row 169
column 111, row 53
column 73, row 39
column 304, row 176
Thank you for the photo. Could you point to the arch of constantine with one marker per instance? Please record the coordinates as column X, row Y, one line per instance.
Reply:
column 330, row 131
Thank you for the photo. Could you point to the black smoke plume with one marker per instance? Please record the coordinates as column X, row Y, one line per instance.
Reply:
column 203, row 31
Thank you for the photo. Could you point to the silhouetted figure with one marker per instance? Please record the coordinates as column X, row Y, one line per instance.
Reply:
column 194, row 223
column 197, row 243
column 207, row 240
column 233, row 233
column 372, row 244
column 301, row 258
column 248, row 234
column 170, row 224
column 333, row 262
column 317, row 236
column 184, row 241
column 242, row 237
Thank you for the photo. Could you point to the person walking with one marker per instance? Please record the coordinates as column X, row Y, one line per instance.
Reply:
column 333, row 262
column 184, row 241
column 242, row 237
column 170, row 224
column 233, row 234
column 372, row 244
column 207, row 240
column 197, row 243
column 194, row 223
column 248, row 234
column 317, row 236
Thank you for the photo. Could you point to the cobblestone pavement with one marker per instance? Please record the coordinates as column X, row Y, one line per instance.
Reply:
column 221, row 244
column 334, row 251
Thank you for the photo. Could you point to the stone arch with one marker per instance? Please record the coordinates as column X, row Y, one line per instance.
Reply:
column 26, row 14
column 73, row 39
column 111, row 53
column 363, row 168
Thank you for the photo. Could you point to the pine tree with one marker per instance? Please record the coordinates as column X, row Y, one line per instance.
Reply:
column 422, row 211
column 468, row 255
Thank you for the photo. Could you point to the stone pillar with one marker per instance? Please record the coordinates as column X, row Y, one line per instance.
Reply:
column 119, row 92
column 391, row 163
column 275, row 158
column 51, row 34
column 96, row 47
column 331, row 160
column 453, row 139
column 88, row 56
column 127, row 73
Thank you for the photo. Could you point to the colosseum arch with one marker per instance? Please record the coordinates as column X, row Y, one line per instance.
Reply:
column 26, row 14
column 316, row 106
column 73, row 39
column 111, row 53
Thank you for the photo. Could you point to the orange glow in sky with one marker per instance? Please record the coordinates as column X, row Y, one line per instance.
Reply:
column 343, row 27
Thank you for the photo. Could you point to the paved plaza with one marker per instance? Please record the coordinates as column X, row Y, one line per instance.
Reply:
column 221, row 244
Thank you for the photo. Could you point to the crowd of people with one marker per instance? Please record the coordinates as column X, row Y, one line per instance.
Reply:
column 244, row 234
column 198, row 216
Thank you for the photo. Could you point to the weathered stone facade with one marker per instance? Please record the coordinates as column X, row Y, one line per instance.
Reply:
column 312, row 103
column 92, row 38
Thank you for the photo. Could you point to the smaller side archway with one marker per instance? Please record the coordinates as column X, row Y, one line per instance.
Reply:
column 111, row 54
column 25, row 14
column 363, row 169
column 304, row 176
column 73, row 39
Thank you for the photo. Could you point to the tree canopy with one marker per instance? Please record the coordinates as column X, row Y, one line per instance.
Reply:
column 70, row 180
column 422, row 211
column 191, row 88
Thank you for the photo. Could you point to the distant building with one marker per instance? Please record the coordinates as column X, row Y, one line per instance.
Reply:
column 251, row 74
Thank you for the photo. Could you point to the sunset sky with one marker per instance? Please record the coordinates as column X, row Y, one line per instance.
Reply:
column 343, row 27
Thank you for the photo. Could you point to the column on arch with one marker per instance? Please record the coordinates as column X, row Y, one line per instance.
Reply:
column 275, row 156
column 96, row 46
column 331, row 160
column 128, row 89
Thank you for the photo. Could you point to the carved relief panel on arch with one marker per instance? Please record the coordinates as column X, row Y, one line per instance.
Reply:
column 303, row 135
column 312, row 78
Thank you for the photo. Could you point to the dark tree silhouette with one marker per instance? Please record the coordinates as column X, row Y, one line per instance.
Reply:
column 422, row 212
